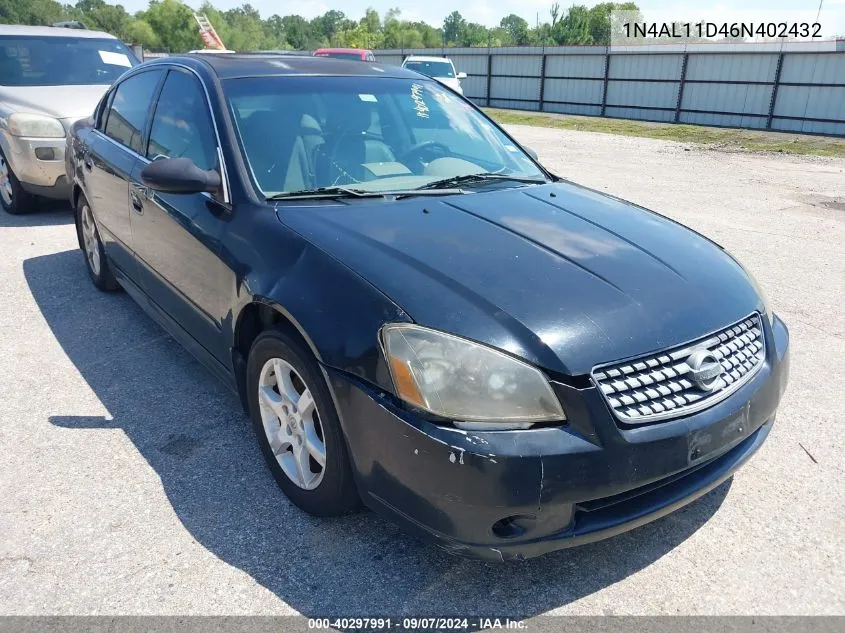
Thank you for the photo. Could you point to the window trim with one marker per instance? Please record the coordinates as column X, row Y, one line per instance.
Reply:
column 147, row 117
column 167, row 67
column 154, row 110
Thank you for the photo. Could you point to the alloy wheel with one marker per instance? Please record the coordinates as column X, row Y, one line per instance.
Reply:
column 6, row 191
column 89, row 239
column 291, row 423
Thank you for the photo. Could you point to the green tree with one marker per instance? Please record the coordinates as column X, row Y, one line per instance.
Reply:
column 453, row 26
column 297, row 32
column 474, row 34
column 37, row 12
column 174, row 24
column 517, row 29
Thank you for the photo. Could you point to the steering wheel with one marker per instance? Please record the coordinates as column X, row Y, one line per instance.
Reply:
column 416, row 153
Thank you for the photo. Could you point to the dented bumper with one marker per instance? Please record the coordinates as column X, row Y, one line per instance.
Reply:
column 517, row 494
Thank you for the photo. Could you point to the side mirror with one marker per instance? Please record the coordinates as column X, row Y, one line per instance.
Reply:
column 531, row 152
column 462, row 75
column 179, row 175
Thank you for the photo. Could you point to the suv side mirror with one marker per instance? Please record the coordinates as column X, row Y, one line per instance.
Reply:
column 462, row 75
column 531, row 152
column 179, row 175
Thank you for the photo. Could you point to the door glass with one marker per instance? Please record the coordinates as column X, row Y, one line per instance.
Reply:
column 129, row 109
column 182, row 126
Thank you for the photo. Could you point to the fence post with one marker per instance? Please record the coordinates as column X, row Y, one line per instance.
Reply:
column 489, row 75
column 681, row 87
column 542, row 80
column 606, row 74
column 775, row 87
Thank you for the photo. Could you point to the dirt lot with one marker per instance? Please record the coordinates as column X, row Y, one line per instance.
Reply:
column 130, row 481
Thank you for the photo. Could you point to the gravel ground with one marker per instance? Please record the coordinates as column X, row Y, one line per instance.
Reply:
column 130, row 481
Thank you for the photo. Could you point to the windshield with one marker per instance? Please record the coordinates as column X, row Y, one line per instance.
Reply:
column 370, row 133
column 61, row 61
column 341, row 55
column 432, row 69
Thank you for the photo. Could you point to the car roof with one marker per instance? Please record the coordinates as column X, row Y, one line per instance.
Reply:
column 52, row 31
column 247, row 65
column 342, row 50
column 423, row 58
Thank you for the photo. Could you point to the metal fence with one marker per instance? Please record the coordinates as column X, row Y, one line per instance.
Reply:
column 794, row 86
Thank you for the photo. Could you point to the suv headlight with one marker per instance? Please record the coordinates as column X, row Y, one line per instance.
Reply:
column 23, row 124
column 475, row 386
column 763, row 298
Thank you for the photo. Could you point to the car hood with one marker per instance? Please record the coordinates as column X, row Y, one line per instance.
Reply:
column 60, row 102
column 558, row 274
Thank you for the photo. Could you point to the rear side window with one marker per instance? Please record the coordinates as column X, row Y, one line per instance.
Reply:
column 182, row 126
column 129, row 107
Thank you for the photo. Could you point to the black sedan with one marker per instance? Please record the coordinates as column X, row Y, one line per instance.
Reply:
column 415, row 314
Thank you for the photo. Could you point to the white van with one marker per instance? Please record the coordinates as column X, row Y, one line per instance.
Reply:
column 440, row 68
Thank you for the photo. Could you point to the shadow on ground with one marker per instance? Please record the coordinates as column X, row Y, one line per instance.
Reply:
column 193, row 433
column 47, row 213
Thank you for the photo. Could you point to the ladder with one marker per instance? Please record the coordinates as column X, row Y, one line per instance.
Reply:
column 208, row 34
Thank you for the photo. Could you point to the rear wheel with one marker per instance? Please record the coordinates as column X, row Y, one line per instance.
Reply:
column 12, row 196
column 95, row 255
column 297, row 426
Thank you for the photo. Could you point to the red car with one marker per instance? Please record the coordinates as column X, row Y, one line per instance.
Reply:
column 359, row 54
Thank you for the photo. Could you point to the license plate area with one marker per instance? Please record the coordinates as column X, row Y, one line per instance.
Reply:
column 707, row 442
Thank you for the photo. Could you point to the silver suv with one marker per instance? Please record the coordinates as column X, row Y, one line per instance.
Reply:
column 49, row 78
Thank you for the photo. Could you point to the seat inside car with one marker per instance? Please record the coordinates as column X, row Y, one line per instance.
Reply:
column 350, row 143
column 277, row 151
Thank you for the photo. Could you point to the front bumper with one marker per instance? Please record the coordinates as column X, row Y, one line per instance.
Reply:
column 38, row 176
column 517, row 494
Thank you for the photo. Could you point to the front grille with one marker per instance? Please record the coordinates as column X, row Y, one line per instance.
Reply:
column 684, row 380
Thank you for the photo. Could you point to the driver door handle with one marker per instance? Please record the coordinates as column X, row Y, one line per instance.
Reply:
column 137, row 194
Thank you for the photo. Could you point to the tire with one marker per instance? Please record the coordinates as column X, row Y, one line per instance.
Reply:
column 92, row 248
column 322, row 490
column 13, row 198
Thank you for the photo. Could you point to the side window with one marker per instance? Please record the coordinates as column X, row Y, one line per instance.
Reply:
column 182, row 126
column 129, row 107
column 102, row 113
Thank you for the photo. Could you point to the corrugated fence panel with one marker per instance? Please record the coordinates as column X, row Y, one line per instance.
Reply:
column 810, row 127
column 645, row 66
column 390, row 60
column 515, row 88
column 470, row 64
column 727, row 67
column 567, row 108
column 813, row 102
column 816, row 69
column 575, row 66
column 641, row 93
column 514, row 105
column 645, row 115
column 742, row 99
column 577, row 90
column 475, row 87
column 723, row 120
column 519, row 65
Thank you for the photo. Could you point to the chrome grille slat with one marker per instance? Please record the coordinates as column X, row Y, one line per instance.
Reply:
column 661, row 385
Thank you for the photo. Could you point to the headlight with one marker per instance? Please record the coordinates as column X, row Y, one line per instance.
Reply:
column 475, row 386
column 765, row 300
column 22, row 124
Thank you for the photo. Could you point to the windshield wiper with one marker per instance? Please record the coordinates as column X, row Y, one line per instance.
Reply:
column 483, row 177
column 334, row 193
column 326, row 192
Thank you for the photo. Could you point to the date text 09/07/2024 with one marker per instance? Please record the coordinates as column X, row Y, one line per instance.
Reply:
column 415, row 624
column 713, row 29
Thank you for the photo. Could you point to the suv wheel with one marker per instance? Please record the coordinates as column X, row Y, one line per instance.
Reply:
column 297, row 426
column 12, row 196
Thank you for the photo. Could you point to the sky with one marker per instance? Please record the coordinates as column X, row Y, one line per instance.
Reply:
column 489, row 12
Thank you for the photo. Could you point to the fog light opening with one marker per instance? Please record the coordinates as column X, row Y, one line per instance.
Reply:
column 514, row 526
column 45, row 153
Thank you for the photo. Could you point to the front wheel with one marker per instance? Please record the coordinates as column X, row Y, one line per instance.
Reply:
column 297, row 426
column 13, row 197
